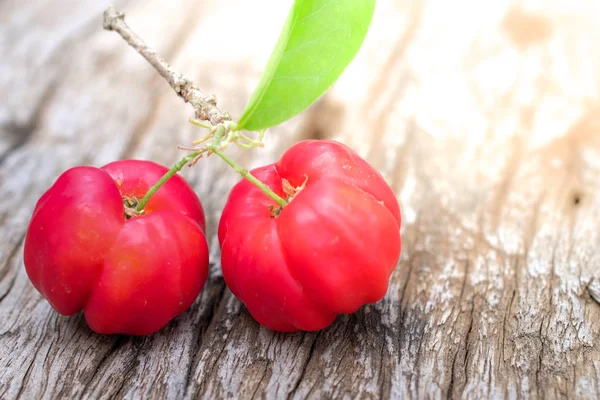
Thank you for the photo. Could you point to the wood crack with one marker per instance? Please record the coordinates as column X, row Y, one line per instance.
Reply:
column 206, row 323
column 468, row 342
column 538, row 373
column 451, row 386
column 44, row 363
column 506, row 315
column 453, row 372
column 118, row 343
column 258, row 384
column 311, row 351
column 539, row 362
column 27, row 373
column 380, row 371
column 418, row 357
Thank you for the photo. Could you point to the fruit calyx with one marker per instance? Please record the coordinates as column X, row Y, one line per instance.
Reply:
column 130, row 204
column 290, row 191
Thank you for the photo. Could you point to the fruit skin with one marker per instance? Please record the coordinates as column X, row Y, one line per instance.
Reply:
column 129, row 276
column 331, row 249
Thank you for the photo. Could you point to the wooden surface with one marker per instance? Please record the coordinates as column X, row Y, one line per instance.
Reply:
column 483, row 116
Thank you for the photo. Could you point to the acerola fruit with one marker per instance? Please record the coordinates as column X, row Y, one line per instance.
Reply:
column 330, row 250
column 129, row 275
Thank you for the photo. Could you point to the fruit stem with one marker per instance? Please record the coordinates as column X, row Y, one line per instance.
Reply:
column 175, row 169
column 219, row 132
column 246, row 174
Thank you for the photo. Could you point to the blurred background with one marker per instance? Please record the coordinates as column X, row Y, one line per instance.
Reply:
column 442, row 95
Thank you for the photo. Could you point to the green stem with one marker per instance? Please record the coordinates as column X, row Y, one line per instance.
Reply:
column 201, row 124
column 246, row 174
column 214, row 147
column 175, row 169
column 219, row 133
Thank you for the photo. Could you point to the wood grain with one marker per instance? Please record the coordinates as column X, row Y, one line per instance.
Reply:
column 483, row 116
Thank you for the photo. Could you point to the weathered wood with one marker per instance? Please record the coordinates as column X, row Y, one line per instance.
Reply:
column 488, row 128
column 484, row 117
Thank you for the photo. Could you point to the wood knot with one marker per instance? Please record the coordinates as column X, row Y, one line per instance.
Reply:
column 576, row 198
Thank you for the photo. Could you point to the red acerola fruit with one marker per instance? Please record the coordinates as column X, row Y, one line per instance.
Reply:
column 129, row 275
column 330, row 250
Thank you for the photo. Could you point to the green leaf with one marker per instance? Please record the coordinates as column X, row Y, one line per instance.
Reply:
column 319, row 39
